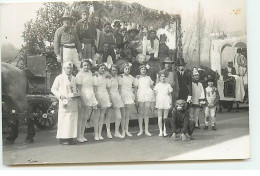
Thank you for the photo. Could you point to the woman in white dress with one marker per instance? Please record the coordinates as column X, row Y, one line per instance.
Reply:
column 68, row 107
column 101, row 90
column 126, row 83
column 145, row 98
column 117, row 103
column 163, row 100
column 88, row 103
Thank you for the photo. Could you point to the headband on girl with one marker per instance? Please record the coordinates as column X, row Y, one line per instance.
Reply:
column 144, row 66
column 126, row 65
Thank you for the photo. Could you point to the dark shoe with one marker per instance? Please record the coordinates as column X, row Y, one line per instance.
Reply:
column 29, row 141
column 197, row 127
column 205, row 127
column 9, row 142
column 214, row 128
column 65, row 143
column 71, row 142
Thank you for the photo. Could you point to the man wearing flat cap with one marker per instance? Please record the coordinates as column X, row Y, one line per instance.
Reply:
column 230, row 69
column 184, row 80
column 67, row 46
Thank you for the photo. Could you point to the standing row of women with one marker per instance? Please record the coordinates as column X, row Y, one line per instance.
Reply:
column 108, row 94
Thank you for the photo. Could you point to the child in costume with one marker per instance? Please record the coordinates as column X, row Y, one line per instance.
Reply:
column 101, row 87
column 163, row 100
column 126, row 83
column 145, row 98
column 198, row 97
column 212, row 98
column 85, row 82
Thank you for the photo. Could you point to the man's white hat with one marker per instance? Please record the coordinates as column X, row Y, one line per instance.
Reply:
column 67, row 64
column 195, row 72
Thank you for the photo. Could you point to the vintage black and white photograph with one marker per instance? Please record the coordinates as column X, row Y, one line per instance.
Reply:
column 124, row 81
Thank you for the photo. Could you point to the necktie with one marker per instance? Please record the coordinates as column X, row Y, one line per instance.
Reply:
column 69, row 78
column 152, row 43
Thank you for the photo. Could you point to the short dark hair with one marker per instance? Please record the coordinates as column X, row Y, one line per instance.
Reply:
column 87, row 61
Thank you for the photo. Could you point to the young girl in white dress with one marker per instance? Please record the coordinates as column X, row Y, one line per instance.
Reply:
column 85, row 83
column 126, row 83
column 117, row 103
column 101, row 90
column 163, row 100
column 145, row 98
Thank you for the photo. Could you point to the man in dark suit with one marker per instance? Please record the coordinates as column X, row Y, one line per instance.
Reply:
column 184, row 79
column 230, row 69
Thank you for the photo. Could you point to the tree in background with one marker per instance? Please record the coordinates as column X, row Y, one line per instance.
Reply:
column 200, row 29
column 38, row 34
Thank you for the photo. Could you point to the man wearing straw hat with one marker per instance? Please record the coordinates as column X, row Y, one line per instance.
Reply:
column 67, row 46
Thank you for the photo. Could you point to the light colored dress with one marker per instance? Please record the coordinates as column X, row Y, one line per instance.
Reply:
column 144, row 91
column 114, row 94
column 86, row 80
column 102, row 93
column 126, row 83
column 163, row 99
column 67, row 115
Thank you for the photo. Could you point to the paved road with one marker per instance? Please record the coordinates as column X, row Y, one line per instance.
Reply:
column 231, row 128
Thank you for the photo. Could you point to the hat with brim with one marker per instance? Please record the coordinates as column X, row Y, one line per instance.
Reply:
column 117, row 24
column 152, row 30
column 168, row 61
column 66, row 15
column 182, row 64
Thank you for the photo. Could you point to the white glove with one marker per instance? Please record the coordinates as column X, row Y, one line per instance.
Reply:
column 189, row 99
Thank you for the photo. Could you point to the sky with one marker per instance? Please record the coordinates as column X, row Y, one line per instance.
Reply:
column 231, row 13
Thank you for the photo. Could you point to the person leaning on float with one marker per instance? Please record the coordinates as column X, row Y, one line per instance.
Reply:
column 67, row 46
column 64, row 85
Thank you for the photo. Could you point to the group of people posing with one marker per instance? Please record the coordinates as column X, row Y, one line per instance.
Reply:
column 105, row 93
column 99, row 91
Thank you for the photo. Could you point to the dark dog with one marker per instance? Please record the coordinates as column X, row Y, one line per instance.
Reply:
column 180, row 122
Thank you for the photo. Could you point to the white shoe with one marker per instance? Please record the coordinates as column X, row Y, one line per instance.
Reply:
column 165, row 134
column 109, row 135
column 101, row 138
column 85, row 139
column 160, row 134
column 80, row 140
column 140, row 133
column 96, row 138
column 148, row 134
column 118, row 135
column 128, row 134
column 123, row 134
